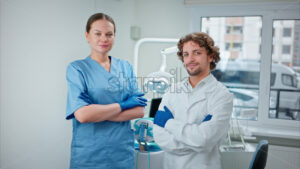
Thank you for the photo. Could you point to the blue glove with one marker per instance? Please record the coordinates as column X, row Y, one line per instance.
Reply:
column 133, row 101
column 207, row 118
column 161, row 117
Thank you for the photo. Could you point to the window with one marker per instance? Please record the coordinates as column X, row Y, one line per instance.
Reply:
column 234, row 29
column 285, row 94
column 287, row 32
column 228, row 29
column 289, row 80
column 272, row 105
column 239, row 41
column 233, row 46
column 286, row 49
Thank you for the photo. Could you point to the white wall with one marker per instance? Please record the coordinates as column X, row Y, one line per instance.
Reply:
column 38, row 39
column 160, row 19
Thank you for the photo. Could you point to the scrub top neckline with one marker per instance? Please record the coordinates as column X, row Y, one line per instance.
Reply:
column 101, row 67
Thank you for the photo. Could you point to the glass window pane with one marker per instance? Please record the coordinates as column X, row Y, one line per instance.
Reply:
column 287, row 80
column 239, row 40
column 287, row 32
column 285, row 92
column 286, row 49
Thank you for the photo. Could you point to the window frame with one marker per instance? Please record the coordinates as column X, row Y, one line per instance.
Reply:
column 268, row 12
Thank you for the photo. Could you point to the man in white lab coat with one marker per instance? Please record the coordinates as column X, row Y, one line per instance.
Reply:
column 193, row 117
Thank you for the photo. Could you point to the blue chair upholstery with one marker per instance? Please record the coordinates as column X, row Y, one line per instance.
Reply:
column 259, row 159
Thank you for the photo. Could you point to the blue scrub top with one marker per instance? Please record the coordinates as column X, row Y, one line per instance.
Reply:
column 100, row 145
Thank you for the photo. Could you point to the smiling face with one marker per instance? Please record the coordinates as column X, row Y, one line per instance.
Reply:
column 101, row 37
column 195, row 59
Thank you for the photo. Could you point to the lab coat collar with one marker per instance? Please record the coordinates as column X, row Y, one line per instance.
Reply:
column 205, row 84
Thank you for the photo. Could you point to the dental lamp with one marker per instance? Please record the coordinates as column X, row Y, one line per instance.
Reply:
column 159, row 81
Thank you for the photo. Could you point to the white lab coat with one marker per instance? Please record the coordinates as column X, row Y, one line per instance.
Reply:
column 188, row 142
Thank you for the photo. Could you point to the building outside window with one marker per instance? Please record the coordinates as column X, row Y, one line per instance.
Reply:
column 286, row 49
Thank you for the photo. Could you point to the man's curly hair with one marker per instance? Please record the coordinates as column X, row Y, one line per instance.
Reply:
column 203, row 40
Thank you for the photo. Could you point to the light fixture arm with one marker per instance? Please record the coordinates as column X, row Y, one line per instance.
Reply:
column 150, row 40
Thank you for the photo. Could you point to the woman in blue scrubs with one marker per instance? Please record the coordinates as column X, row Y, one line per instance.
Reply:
column 102, row 99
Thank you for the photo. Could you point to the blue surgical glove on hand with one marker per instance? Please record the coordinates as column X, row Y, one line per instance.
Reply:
column 133, row 101
column 161, row 117
column 207, row 118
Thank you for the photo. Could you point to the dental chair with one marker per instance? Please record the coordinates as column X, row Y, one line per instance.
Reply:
column 259, row 159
